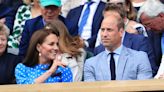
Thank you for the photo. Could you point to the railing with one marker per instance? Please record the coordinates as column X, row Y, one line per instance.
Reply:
column 106, row 86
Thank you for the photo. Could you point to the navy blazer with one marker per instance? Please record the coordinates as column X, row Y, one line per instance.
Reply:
column 73, row 19
column 155, row 41
column 9, row 14
column 30, row 27
column 139, row 43
column 8, row 63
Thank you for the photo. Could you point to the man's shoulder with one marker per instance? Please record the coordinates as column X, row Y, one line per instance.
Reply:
column 135, row 53
column 96, row 58
column 135, row 36
column 33, row 20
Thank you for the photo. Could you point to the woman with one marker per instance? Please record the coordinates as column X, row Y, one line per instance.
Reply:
column 7, row 61
column 42, row 64
column 29, row 10
column 72, row 50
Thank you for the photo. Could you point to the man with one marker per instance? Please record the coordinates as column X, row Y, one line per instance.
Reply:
column 129, row 64
column 133, row 41
column 151, row 14
column 50, row 10
column 89, row 30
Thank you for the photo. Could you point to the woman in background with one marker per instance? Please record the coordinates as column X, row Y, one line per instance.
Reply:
column 29, row 10
column 42, row 62
column 7, row 61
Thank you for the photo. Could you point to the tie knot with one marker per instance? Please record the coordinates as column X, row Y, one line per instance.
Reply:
column 112, row 53
column 89, row 3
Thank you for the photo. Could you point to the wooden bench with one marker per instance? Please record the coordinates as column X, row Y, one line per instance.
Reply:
column 106, row 86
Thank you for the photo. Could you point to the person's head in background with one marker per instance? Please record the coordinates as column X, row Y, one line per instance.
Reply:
column 43, row 47
column 114, row 9
column 4, row 33
column 67, row 43
column 137, row 3
column 151, row 14
column 50, row 9
column 112, row 28
column 130, row 10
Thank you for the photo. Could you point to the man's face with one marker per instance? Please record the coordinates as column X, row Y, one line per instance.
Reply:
column 155, row 23
column 110, row 34
column 50, row 13
column 3, row 43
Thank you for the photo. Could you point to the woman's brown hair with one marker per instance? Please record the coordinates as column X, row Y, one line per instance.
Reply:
column 131, row 12
column 67, row 43
column 32, row 56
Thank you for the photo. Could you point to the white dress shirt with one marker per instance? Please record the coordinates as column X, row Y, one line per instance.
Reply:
column 86, row 33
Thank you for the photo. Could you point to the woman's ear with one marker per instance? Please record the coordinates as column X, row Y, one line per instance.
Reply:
column 38, row 47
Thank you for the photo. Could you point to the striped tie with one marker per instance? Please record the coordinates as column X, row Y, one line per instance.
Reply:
column 84, row 17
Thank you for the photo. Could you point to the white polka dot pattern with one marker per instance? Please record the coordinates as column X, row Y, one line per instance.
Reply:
column 27, row 75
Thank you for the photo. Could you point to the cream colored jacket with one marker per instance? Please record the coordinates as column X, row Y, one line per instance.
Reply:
column 76, row 64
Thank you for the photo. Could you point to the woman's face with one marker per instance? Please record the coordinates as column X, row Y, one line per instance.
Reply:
column 3, row 43
column 49, row 48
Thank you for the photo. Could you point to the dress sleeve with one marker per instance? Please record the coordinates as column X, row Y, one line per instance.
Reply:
column 22, row 75
column 66, row 75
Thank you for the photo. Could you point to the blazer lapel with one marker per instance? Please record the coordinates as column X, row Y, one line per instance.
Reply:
column 121, row 64
column 104, row 68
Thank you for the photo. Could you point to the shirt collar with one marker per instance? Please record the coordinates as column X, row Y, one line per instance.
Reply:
column 116, row 51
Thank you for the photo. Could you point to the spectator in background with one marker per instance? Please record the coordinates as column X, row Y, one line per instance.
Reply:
column 117, row 62
column 67, row 5
column 7, row 61
column 42, row 63
column 50, row 11
column 72, row 52
column 29, row 10
column 85, row 24
column 8, row 10
column 151, row 14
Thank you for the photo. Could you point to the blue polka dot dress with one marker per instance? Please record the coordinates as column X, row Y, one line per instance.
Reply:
column 27, row 75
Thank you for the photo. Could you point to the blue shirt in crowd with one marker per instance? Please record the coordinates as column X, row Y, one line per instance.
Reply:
column 27, row 75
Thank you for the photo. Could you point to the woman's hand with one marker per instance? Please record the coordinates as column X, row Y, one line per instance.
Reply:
column 57, row 62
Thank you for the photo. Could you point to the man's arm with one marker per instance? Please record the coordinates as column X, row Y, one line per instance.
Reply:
column 89, row 71
column 144, row 67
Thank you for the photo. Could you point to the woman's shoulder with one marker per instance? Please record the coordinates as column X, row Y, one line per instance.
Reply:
column 20, row 66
